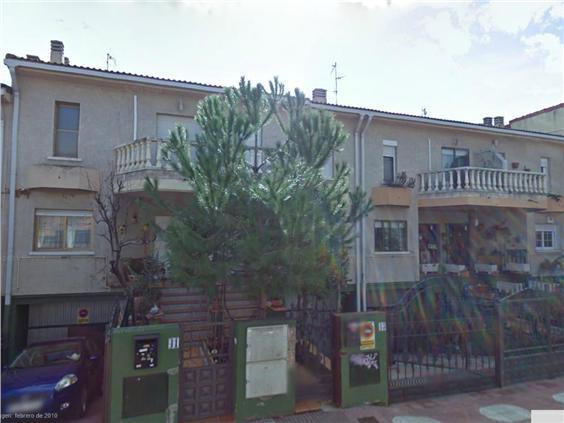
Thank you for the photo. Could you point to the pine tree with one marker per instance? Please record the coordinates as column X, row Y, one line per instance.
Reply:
column 274, row 225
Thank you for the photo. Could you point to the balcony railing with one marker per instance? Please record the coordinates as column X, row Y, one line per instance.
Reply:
column 142, row 154
column 482, row 179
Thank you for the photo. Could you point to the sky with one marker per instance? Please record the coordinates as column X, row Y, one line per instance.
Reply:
column 456, row 60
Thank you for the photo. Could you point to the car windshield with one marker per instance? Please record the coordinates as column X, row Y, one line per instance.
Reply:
column 48, row 354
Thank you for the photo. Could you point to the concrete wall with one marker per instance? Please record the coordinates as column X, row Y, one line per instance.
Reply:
column 413, row 157
column 550, row 121
column 106, row 121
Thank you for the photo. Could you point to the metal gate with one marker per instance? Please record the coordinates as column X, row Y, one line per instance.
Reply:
column 314, row 348
column 533, row 336
column 441, row 340
column 206, row 371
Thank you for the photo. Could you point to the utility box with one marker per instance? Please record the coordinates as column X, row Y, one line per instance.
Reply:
column 142, row 378
column 264, row 363
column 361, row 370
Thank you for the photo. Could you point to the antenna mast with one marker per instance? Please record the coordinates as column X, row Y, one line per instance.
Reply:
column 108, row 58
column 337, row 78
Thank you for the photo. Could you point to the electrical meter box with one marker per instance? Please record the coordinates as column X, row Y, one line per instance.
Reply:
column 361, row 371
column 142, row 374
column 264, row 363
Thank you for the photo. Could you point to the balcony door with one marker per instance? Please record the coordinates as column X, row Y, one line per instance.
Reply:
column 456, row 245
column 429, row 243
column 452, row 158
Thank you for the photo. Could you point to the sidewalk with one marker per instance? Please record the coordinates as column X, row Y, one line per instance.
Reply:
column 510, row 404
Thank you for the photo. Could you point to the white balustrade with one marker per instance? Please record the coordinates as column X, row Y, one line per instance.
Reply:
column 481, row 179
column 142, row 154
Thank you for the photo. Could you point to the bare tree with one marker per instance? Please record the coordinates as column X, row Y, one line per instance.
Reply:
column 112, row 211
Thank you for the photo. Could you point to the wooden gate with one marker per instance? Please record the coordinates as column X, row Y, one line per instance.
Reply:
column 206, row 375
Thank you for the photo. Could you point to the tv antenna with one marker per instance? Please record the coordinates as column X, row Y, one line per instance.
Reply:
column 109, row 58
column 337, row 78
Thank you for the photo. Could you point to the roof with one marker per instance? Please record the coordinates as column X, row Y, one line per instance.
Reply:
column 501, row 130
column 60, row 66
column 34, row 62
column 538, row 112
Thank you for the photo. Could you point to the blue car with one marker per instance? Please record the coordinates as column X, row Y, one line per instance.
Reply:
column 52, row 379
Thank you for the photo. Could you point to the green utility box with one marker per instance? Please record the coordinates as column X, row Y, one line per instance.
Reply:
column 361, row 371
column 264, row 365
column 142, row 374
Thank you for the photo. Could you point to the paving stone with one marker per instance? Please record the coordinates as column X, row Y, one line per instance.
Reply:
column 414, row 419
column 505, row 413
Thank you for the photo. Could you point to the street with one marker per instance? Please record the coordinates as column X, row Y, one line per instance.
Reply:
column 511, row 404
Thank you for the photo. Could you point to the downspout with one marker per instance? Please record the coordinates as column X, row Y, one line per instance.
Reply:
column 363, row 220
column 11, row 202
column 430, row 164
column 357, row 244
column 134, row 117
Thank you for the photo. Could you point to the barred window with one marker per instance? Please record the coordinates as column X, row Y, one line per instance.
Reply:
column 390, row 235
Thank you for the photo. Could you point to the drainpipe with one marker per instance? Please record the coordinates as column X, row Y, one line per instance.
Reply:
column 429, row 156
column 134, row 117
column 11, row 202
column 363, row 220
column 357, row 241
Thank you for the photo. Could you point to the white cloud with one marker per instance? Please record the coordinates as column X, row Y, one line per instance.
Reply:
column 511, row 17
column 452, row 39
column 557, row 11
column 548, row 47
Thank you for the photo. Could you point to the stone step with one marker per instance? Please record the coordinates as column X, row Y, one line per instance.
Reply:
column 185, row 317
column 180, row 308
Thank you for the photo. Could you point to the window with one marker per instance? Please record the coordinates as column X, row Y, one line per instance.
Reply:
column 62, row 230
column 389, row 164
column 66, row 129
column 454, row 157
column 251, row 147
column 167, row 123
column 390, row 235
column 327, row 169
column 545, row 237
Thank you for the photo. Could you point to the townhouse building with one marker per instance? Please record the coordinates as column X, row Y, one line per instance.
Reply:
column 449, row 196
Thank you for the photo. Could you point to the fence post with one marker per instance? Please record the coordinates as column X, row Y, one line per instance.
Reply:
column 499, row 343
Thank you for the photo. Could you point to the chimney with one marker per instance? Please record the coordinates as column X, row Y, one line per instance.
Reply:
column 488, row 121
column 57, row 52
column 498, row 121
column 319, row 95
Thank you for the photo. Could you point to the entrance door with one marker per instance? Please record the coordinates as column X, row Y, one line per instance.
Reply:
column 429, row 243
column 457, row 241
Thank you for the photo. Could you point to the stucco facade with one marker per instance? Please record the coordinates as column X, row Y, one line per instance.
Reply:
column 549, row 120
column 117, row 109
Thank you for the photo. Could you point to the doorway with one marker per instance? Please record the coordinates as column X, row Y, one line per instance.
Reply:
column 456, row 244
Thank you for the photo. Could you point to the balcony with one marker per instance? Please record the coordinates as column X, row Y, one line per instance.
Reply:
column 482, row 187
column 144, row 158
